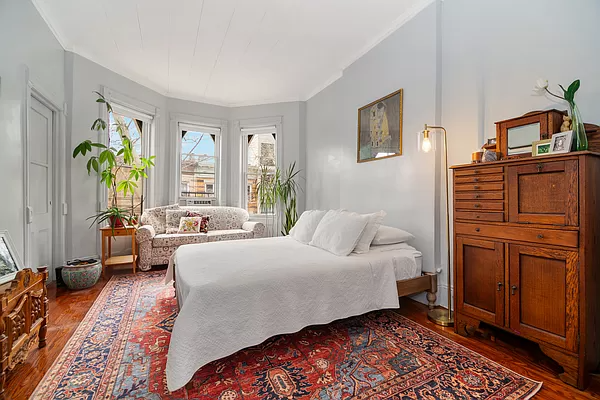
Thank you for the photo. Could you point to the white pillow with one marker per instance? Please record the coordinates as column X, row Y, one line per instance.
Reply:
column 306, row 225
column 369, row 233
column 388, row 235
column 339, row 231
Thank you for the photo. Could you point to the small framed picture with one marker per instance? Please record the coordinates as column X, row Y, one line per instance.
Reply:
column 561, row 142
column 541, row 147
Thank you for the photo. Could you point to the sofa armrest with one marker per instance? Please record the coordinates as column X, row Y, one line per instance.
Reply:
column 257, row 227
column 145, row 233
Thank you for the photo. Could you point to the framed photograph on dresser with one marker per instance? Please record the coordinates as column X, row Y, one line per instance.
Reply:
column 561, row 142
column 10, row 263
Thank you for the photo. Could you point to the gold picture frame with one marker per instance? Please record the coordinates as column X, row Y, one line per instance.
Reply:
column 541, row 147
column 380, row 128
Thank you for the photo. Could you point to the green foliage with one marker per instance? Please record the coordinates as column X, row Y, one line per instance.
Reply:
column 279, row 189
column 569, row 94
column 107, row 164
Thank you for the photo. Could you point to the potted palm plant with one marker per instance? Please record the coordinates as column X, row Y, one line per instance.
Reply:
column 110, row 164
column 277, row 191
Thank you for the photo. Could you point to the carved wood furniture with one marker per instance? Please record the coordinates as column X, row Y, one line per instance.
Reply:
column 24, row 318
column 526, row 254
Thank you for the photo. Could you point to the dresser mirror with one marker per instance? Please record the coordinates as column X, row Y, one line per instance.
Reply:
column 520, row 138
column 515, row 136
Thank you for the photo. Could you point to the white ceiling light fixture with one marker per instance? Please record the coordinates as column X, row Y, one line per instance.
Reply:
column 227, row 52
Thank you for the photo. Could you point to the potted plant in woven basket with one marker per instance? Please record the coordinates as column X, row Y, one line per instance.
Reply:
column 111, row 165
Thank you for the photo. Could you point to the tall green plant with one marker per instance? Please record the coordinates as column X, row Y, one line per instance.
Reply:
column 287, row 189
column 277, row 191
column 110, row 161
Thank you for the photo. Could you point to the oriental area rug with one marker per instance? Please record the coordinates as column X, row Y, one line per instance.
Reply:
column 119, row 351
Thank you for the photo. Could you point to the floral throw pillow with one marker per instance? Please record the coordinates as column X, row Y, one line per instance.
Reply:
column 203, row 222
column 189, row 225
column 173, row 217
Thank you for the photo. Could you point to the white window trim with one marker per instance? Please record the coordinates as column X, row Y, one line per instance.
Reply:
column 178, row 120
column 149, row 114
column 243, row 128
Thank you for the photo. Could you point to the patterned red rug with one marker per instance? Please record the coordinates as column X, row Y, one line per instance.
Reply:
column 119, row 352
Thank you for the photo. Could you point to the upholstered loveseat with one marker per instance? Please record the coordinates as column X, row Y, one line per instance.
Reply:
column 156, row 244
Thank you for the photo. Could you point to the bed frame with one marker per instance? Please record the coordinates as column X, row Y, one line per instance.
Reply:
column 424, row 283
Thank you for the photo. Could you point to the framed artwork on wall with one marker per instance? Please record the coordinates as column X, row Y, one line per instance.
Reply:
column 380, row 128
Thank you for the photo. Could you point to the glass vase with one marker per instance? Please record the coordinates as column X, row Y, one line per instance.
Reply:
column 580, row 141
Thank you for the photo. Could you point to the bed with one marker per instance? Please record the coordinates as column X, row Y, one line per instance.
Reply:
column 237, row 294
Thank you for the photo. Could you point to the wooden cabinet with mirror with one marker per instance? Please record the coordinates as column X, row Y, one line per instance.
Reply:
column 526, row 254
column 514, row 136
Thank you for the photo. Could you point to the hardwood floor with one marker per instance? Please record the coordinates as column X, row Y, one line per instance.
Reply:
column 68, row 308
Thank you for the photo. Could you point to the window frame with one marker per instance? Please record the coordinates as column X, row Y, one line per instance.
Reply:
column 149, row 115
column 257, row 126
column 192, row 121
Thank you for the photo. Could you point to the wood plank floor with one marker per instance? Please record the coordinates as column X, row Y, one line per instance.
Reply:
column 68, row 308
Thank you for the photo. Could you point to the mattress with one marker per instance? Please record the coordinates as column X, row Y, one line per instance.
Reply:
column 237, row 294
column 407, row 262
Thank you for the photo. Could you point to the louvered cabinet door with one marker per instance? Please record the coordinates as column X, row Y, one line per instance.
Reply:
column 480, row 279
column 544, row 294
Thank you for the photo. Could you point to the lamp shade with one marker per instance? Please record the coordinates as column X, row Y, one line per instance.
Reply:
column 426, row 141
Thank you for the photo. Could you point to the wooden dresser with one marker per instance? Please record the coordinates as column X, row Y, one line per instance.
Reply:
column 527, row 254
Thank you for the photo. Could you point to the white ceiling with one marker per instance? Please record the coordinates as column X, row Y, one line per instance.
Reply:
column 227, row 52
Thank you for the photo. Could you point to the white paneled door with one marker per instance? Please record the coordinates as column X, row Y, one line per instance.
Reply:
column 39, row 194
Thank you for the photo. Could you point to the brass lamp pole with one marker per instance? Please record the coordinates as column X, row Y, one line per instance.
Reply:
column 441, row 316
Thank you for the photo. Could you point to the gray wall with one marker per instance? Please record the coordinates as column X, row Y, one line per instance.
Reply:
column 26, row 43
column 488, row 56
column 402, row 186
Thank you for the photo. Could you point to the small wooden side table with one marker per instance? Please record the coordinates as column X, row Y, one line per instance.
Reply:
column 108, row 260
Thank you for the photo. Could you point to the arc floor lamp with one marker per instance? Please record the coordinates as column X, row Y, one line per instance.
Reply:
column 427, row 144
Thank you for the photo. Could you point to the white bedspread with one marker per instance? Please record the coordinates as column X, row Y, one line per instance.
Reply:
column 237, row 294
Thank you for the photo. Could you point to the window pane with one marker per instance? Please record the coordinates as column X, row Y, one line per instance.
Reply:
column 198, row 162
column 262, row 163
column 132, row 129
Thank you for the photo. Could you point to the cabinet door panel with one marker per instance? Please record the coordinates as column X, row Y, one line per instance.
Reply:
column 543, row 294
column 480, row 279
column 544, row 193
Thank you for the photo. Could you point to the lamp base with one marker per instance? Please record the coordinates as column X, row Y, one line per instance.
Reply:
column 440, row 316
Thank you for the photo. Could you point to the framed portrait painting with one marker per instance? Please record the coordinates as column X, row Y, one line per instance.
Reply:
column 380, row 128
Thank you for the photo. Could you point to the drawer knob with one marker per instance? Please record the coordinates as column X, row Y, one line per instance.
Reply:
column 477, row 229
column 477, row 205
column 513, row 289
column 539, row 167
column 477, row 196
column 476, row 187
column 477, row 216
column 540, row 236
column 499, row 286
column 476, row 180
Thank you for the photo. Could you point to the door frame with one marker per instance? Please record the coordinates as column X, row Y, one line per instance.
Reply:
column 59, row 205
